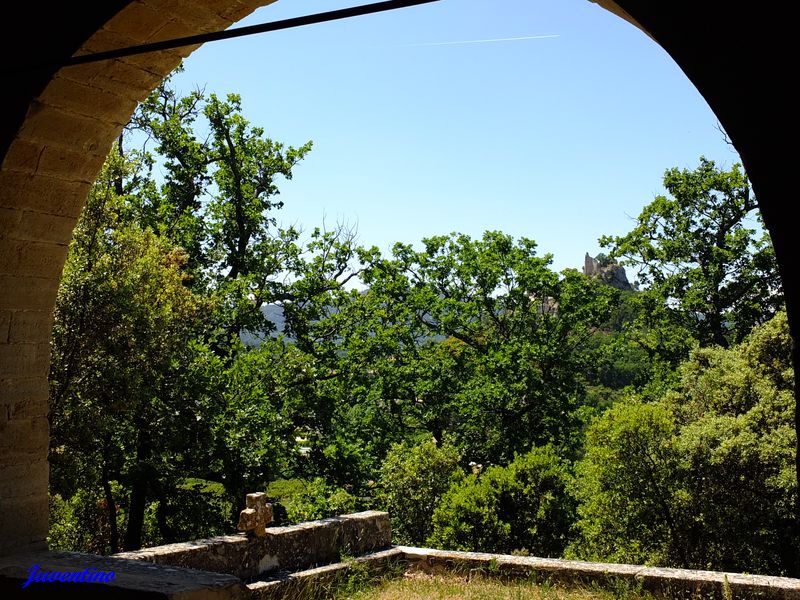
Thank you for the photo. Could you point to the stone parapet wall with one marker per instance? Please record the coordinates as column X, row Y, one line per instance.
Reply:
column 281, row 549
column 308, row 560
column 675, row 583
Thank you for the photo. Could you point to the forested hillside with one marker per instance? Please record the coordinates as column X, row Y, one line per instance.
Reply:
column 486, row 401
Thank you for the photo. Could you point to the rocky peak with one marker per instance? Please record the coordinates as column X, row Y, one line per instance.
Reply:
column 608, row 272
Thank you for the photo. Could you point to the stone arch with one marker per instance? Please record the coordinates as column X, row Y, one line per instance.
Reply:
column 62, row 122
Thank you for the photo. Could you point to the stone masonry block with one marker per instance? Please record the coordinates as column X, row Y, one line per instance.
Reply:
column 173, row 29
column 27, row 409
column 365, row 532
column 22, row 156
column 35, row 158
column 24, row 359
column 36, row 259
column 24, row 515
column 42, row 259
column 160, row 64
column 41, row 194
column 86, row 73
column 57, row 127
column 10, row 218
column 16, row 479
column 201, row 17
column 9, row 257
column 17, row 457
column 5, row 326
column 23, row 390
column 219, row 10
column 236, row 11
column 31, row 326
column 126, row 79
column 114, row 77
column 87, row 100
column 258, row 514
column 136, row 21
column 22, row 543
column 104, row 39
column 74, row 166
column 27, row 437
column 41, row 227
column 28, row 293
column 244, row 8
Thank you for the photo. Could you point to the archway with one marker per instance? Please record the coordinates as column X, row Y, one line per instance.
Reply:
column 61, row 123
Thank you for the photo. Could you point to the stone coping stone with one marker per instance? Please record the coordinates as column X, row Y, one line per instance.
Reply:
column 669, row 581
column 132, row 579
column 282, row 548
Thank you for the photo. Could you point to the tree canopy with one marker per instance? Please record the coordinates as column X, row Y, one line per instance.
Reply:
column 702, row 255
column 490, row 403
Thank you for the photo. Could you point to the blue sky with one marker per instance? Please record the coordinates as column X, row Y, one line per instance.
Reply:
column 559, row 139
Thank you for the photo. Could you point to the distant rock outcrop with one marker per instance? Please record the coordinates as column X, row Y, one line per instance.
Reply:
column 606, row 271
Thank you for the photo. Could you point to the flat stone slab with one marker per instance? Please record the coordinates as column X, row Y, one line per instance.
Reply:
column 132, row 579
column 663, row 580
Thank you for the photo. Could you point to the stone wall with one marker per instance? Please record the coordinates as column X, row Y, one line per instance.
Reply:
column 302, row 561
column 281, row 549
column 669, row 583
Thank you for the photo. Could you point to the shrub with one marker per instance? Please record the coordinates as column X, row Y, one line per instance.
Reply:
column 703, row 478
column 413, row 480
column 626, row 485
column 524, row 507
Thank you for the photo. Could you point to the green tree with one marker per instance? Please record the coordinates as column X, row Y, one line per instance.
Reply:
column 124, row 317
column 297, row 500
column 160, row 274
column 478, row 338
column 218, row 201
column 628, row 490
column 703, row 478
column 700, row 256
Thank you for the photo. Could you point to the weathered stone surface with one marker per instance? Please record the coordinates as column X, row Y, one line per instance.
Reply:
column 281, row 548
column 612, row 273
column 258, row 514
column 670, row 582
column 133, row 579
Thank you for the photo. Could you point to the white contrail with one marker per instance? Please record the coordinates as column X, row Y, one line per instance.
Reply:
column 513, row 39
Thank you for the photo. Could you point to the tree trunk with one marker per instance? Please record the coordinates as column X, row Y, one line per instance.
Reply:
column 138, row 498
column 167, row 532
column 112, row 509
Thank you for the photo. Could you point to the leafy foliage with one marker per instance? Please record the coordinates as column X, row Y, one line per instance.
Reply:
column 413, row 481
column 522, row 507
column 645, row 426
column 714, row 275
column 300, row 500
column 666, row 482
